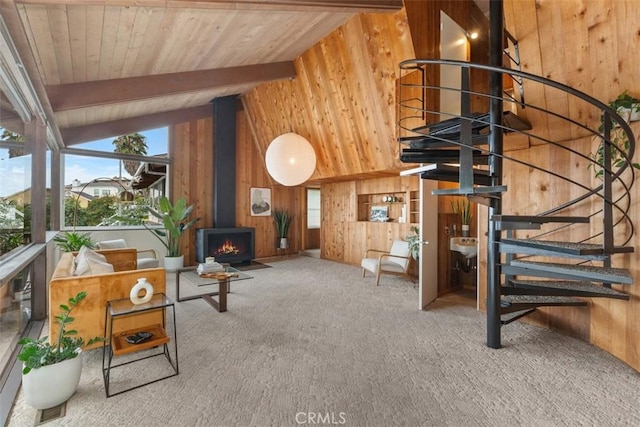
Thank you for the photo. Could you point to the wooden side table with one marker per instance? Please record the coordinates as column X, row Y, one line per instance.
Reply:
column 117, row 343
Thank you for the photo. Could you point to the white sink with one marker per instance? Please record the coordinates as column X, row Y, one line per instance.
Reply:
column 467, row 246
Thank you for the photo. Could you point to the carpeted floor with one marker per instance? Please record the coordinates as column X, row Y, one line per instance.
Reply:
column 312, row 342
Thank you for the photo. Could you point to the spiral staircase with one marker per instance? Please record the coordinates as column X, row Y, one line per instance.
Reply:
column 562, row 253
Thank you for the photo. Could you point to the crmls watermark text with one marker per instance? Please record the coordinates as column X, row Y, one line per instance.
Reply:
column 321, row 418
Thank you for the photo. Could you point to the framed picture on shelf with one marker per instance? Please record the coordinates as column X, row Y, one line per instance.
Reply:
column 379, row 214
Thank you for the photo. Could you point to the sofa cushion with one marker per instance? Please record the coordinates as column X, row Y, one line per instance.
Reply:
column 90, row 262
column 96, row 267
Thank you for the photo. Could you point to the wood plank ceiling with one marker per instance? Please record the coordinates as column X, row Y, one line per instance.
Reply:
column 105, row 65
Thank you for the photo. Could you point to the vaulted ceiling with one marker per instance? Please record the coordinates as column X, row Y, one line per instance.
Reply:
column 103, row 68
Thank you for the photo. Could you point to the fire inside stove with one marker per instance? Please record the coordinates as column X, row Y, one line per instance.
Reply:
column 227, row 248
column 230, row 245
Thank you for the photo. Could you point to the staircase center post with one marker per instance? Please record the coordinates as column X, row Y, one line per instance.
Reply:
column 496, row 32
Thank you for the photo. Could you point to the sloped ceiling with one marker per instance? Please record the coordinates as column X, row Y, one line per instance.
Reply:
column 99, row 64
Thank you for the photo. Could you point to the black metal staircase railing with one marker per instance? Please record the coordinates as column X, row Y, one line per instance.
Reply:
column 515, row 60
column 576, row 125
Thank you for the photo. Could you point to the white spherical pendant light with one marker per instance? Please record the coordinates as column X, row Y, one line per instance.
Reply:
column 290, row 159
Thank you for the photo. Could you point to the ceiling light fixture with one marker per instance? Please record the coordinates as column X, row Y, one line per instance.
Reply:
column 290, row 159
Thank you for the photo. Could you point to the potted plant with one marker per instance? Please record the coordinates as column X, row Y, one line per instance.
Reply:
column 72, row 241
column 51, row 371
column 628, row 107
column 413, row 240
column 282, row 219
column 463, row 208
column 174, row 219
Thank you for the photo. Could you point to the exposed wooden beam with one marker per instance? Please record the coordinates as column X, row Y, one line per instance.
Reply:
column 85, row 94
column 80, row 134
column 355, row 6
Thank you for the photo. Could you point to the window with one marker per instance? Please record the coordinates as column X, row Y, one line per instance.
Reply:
column 16, row 182
column 313, row 208
column 114, row 186
column 15, row 194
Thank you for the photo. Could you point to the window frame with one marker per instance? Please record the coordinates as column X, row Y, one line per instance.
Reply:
column 319, row 210
column 104, row 155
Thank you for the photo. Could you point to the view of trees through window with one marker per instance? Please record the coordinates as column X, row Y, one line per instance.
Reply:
column 111, row 188
column 114, row 190
column 15, row 194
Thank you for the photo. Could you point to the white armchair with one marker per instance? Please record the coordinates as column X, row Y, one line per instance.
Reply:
column 147, row 258
column 395, row 261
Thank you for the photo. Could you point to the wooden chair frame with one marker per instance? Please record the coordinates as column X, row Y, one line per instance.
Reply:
column 379, row 267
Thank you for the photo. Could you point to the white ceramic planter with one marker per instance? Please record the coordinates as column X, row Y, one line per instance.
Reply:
column 52, row 385
column 173, row 263
column 630, row 114
column 284, row 243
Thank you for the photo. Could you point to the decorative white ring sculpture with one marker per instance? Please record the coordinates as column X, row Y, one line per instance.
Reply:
column 142, row 284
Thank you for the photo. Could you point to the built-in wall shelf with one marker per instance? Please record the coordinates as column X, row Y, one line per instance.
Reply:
column 388, row 207
column 414, row 207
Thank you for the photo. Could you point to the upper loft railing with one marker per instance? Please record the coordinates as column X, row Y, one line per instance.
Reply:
column 590, row 133
column 515, row 60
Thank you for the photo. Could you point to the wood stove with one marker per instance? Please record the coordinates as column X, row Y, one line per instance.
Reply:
column 233, row 245
column 225, row 241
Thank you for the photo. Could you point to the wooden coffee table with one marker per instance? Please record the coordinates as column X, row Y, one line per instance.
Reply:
column 222, row 280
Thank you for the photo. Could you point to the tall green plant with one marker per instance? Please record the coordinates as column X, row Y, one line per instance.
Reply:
column 282, row 219
column 462, row 208
column 38, row 353
column 174, row 218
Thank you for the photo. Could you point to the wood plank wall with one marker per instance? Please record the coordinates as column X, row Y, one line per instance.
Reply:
column 591, row 46
column 345, row 239
column 343, row 99
column 191, row 176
